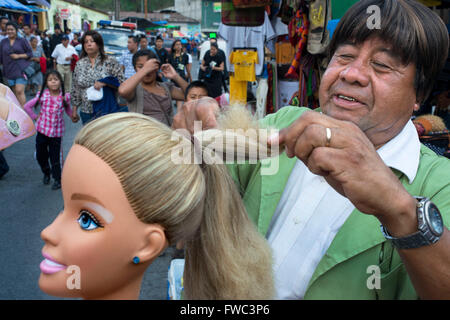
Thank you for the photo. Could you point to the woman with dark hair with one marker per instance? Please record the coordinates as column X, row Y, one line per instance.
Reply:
column 93, row 66
column 178, row 59
column 213, row 65
column 14, row 55
column 146, row 93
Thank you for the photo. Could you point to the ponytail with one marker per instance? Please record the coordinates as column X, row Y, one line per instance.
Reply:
column 227, row 258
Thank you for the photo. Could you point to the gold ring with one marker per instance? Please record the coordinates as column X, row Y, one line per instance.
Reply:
column 328, row 132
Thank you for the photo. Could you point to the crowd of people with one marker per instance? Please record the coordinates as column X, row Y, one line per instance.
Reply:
column 146, row 79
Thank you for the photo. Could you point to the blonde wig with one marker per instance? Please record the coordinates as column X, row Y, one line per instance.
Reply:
column 197, row 204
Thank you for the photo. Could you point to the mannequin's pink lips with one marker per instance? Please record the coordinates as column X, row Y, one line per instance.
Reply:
column 49, row 266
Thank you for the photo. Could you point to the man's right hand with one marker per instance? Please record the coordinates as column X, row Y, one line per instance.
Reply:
column 204, row 110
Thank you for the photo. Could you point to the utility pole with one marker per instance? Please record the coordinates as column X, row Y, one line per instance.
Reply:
column 145, row 9
column 116, row 9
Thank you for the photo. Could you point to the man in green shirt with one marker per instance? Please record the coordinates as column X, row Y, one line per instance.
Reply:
column 362, row 145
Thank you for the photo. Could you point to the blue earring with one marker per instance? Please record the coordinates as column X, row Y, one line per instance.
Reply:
column 136, row 260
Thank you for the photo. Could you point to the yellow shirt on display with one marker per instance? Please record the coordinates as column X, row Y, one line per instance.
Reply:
column 244, row 64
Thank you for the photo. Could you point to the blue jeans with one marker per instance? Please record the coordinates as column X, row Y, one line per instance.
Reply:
column 86, row 117
column 13, row 82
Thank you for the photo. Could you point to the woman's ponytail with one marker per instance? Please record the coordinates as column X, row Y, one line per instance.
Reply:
column 228, row 258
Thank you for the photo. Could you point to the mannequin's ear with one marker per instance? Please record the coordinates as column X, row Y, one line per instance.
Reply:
column 154, row 243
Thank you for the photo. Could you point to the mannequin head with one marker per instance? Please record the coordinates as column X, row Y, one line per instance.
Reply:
column 125, row 198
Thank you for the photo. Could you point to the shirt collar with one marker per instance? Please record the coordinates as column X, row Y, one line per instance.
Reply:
column 403, row 151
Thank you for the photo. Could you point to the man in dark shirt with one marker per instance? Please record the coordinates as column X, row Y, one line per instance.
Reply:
column 162, row 53
column 55, row 40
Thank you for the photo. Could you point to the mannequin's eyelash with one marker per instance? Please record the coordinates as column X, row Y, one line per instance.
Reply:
column 98, row 223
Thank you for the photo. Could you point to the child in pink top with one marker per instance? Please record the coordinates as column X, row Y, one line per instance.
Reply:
column 50, row 124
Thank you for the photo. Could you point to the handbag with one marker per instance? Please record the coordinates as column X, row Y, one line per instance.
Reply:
column 31, row 70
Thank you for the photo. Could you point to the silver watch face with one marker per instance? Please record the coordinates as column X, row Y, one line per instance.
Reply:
column 434, row 219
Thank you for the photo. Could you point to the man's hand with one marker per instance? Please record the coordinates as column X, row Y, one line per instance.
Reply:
column 68, row 58
column 75, row 117
column 204, row 110
column 350, row 164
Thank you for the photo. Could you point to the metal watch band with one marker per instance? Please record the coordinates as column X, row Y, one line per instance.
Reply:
column 415, row 240
column 422, row 237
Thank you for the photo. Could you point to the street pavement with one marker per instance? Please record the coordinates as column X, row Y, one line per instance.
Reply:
column 27, row 206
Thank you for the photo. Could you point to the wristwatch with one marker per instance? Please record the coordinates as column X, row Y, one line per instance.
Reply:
column 430, row 225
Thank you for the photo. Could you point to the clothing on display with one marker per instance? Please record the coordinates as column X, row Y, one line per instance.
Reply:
column 286, row 91
column 238, row 90
column 244, row 62
column 261, row 98
column 298, row 31
column 284, row 51
column 319, row 15
column 248, row 37
column 250, row 17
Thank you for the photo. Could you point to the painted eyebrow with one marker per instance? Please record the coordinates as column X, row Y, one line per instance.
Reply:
column 81, row 196
column 94, row 204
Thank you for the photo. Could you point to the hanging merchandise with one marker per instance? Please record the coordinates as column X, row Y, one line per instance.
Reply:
column 319, row 15
column 249, row 17
column 272, row 81
column 274, row 8
column 298, row 31
column 284, row 51
column 308, row 85
column 286, row 12
column 261, row 98
column 248, row 37
column 238, row 91
column 251, row 3
column 286, row 91
column 244, row 62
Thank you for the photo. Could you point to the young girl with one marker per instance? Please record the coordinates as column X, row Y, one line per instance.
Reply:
column 50, row 124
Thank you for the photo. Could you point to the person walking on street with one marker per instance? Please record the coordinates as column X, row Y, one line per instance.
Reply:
column 93, row 66
column 50, row 125
column 162, row 53
column 14, row 56
column 63, row 57
column 126, row 59
column 55, row 39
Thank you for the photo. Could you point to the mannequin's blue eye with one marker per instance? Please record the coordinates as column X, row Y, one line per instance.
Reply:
column 87, row 221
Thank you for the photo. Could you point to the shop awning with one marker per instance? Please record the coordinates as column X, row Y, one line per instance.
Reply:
column 36, row 9
column 15, row 5
column 39, row 2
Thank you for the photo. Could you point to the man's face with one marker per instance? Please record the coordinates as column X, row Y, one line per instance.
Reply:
column 159, row 43
column 26, row 30
column 131, row 45
column 3, row 24
column 65, row 42
column 369, row 86
column 143, row 43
